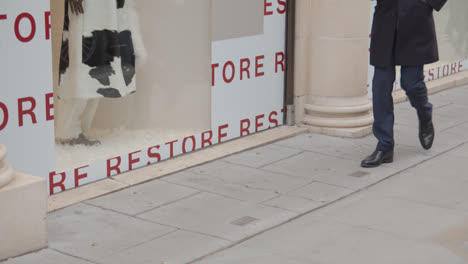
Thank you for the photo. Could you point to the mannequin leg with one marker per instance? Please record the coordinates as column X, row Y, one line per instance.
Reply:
column 88, row 114
column 68, row 118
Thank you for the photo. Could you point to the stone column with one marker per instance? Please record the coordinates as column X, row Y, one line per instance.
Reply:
column 6, row 171
column 331, row 67
column 23, row 211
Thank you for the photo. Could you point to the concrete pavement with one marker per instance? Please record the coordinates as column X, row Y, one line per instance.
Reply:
column 300, row 200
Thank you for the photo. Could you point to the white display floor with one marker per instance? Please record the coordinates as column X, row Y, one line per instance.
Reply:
column 113, row 143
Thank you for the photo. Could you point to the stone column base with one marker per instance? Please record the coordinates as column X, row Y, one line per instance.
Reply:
column 339, row 116
column 342, row 132
column 23, row 216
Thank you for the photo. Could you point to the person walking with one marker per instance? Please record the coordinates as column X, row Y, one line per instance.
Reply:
column 403, row 33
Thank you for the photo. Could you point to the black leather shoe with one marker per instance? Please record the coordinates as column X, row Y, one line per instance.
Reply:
column 377, row 158
column 426, row 134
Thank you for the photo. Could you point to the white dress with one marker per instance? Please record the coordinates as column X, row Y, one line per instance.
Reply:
column 99, row 51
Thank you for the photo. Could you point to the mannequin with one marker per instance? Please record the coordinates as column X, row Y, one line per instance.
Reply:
column 101, row 42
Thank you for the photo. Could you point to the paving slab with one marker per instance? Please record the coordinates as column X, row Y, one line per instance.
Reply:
column 219, row 186
column 440, row 182
column 411, row 219
column 328, row 242
column 454, row 111
column 459, row 130
column 94, row 234
column 354, row 149
column 208, row 167
column 330, row 170
column 142, row 198
column 455, row 240
column 242, row 254
column 236, row 181
column 262, row 156
column 46, row 256
column 461, row 151
column 321, row 192
column 89, row 191
column 294, row 203
column 216, row 216
column 178, row 247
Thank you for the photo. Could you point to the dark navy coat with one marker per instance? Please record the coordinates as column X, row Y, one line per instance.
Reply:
column 403, row 33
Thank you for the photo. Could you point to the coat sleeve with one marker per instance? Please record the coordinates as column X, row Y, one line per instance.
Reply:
column 436, row 4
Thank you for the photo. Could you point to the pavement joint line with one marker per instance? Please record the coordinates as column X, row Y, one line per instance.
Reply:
column 278, row 143
column 285, row 209
column 389, row 165
column 318, row 208
column 73, row 256
column 186, row 230
column 298, row 196
column 443, row 106
column 119, row 181
column 396, row 235
column 150, row 240
column 319, row 174
column 169, row 203
column 318, row 181
column 22, row 255
column 292, row 195
column 205, row 191
column 136, row 215
column 437, row 152
column 270, row 199
column 281, row 208
column 237, row 164
column 317, row 152
column 245, row 185
column 234, row 163
column 427, row 203
column 282, row 159
column 466, row 122
column 154, row 222
column 110, row 210
column 457, row 125
column 324, row 183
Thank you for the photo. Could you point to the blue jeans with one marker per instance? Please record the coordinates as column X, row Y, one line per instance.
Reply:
column 412, row 81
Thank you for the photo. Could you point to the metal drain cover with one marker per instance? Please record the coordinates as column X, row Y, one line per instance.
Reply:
column 245, row 221
column 359, row 174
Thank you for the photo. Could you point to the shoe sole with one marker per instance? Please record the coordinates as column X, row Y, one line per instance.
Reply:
column 427, row 147
column 377, row 165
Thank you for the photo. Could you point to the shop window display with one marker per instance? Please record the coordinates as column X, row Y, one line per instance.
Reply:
column 130, row 74
column 135, row 82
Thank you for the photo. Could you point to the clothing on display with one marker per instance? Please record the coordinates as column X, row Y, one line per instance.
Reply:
column 101, row 42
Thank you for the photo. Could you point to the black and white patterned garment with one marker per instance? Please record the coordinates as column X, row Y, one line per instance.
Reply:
column 98, row 50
